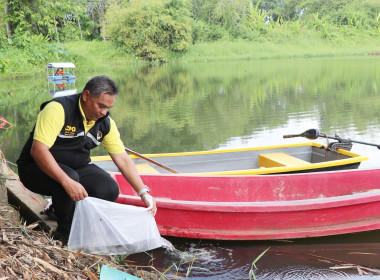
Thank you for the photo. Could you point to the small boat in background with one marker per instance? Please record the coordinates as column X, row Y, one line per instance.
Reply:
column 60, row 71
column 61, row 79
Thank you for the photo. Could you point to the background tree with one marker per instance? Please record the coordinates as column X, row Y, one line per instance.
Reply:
column 288, row 10
column 160, row 29
column 52, row 19
column 96, row 10
column 7, row 23
column 153, row 29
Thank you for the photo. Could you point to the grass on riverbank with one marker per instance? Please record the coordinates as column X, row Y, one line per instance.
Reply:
column 285, row 47
column 97, row 55
column 86, row 55
column 92, row 56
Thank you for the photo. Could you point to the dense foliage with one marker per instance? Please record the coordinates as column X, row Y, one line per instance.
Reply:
column 151, row 29
column 162, row 29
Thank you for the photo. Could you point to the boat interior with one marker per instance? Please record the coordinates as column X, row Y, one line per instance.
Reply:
column 277, row 159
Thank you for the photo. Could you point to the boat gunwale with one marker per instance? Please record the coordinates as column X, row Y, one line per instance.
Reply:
column 353, row 159
column 266, row 206
column 314, row 144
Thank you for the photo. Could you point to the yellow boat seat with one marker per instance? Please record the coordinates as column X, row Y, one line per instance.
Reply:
column 278, row 160
column 144, row 168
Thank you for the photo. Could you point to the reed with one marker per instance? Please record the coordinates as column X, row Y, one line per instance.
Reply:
column 251, row 273
column 187, row 259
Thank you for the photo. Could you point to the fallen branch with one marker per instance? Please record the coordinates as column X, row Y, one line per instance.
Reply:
column 48, row 266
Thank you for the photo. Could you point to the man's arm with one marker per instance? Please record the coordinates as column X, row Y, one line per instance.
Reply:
column 130, row 173
column 49, row 123
column 46, row 162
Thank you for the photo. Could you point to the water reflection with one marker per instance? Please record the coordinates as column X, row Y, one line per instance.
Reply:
column 203, row 106
column 62, row 88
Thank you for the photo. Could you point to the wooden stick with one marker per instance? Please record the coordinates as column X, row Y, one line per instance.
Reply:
column 150, row 160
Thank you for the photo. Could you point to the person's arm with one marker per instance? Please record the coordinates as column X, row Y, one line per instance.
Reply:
column 49, row 123
column 130, row 173
column 115, row 147
column 46, row 162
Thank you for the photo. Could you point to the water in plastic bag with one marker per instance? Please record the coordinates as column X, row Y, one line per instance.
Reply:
column 108, row 228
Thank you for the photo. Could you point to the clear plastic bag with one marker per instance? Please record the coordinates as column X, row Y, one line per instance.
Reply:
column 108, row 228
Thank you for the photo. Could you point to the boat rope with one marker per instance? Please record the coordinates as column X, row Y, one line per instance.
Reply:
column 4, row 124
column 15, row 177
column 327, row 146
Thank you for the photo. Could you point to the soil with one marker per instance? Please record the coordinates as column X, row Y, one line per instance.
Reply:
column 29, row 253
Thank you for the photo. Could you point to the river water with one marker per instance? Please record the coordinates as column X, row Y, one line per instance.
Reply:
column 229, row 104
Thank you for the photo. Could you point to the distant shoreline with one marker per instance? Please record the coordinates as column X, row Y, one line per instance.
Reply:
column 88, row 55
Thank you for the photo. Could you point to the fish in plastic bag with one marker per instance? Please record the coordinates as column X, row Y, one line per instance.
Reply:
column 108, row 228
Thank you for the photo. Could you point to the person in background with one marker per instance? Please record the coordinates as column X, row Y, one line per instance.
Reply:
column 55, row 160
column 59, row 72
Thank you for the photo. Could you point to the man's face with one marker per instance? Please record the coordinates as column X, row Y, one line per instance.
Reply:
column 96, row 107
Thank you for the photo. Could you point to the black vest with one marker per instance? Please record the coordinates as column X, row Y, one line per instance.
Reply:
column 72, row 147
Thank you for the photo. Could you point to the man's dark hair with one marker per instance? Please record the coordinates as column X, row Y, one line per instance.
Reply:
column 101, row 84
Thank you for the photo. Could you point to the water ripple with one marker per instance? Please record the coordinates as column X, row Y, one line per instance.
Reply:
column 303, row 272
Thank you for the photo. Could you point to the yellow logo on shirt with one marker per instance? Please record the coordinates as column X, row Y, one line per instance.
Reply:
column 70, row 130
column 99, row 135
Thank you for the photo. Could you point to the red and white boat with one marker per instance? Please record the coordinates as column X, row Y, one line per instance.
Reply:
column 259, row 193
column 256, row 207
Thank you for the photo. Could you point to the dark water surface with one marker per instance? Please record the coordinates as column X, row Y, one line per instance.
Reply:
column 319, row 258
column 215, row 105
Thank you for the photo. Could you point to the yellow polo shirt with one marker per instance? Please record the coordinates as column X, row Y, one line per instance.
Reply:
column 52, row 118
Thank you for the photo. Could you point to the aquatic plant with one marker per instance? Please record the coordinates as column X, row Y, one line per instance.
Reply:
column 251, row 273
column 186, row 258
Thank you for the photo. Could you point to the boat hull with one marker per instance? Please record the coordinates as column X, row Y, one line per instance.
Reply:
column 262, row 207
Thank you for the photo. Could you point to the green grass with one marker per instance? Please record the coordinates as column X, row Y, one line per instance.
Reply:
column 95, row 55
column 293, row 47
column 87, row 56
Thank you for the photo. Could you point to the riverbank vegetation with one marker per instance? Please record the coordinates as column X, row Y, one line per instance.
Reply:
column 92, row 33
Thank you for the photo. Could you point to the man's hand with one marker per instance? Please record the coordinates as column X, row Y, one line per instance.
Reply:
column 45, row 160
column 129, row 171
column 148, row 199
column 75, row 190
